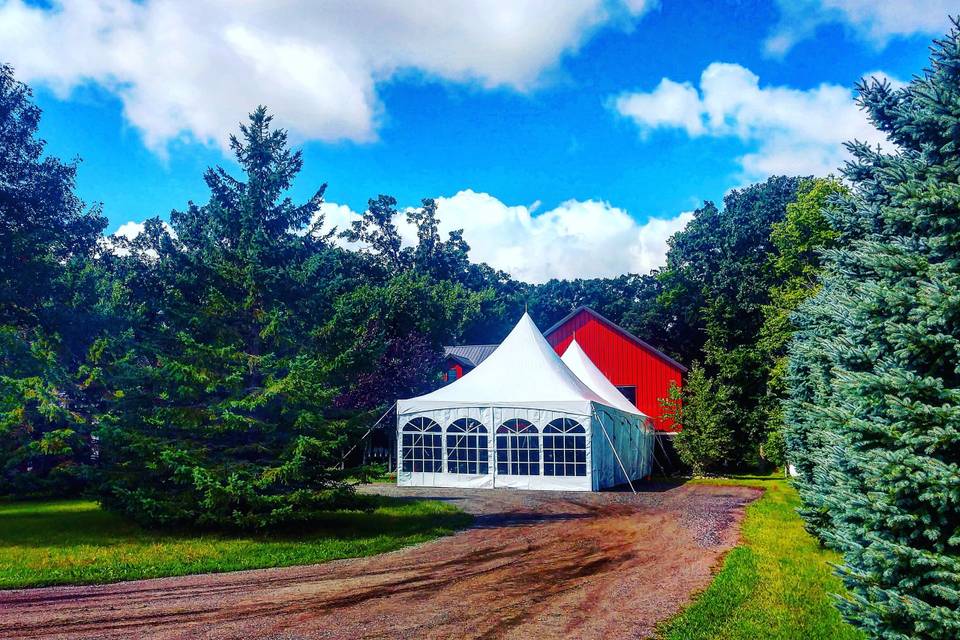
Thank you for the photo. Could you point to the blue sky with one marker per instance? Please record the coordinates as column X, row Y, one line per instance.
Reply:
column 591, row 129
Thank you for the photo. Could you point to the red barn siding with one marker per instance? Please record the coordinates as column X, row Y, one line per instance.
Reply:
column 622, row 360
column 456, row 366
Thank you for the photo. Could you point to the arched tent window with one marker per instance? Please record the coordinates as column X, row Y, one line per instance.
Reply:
column 467, row 447
column 422, row 446
column 564, row 448
column 518, row 448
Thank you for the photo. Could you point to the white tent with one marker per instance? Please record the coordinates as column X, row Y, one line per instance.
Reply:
column 639, row 454
column 521, row 419
column 583, row 367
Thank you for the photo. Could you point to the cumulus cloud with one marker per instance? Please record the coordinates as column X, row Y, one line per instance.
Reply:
column 670, row 104
column 790, row 131
column 128, row 231
column 578, row 239
column 194, row 68
column 875, row 21
column 337, row 217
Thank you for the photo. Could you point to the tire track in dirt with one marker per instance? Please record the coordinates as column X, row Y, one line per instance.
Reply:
column 535, row 564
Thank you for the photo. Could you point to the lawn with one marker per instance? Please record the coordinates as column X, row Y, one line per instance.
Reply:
column 76, row 542
column 775, row 585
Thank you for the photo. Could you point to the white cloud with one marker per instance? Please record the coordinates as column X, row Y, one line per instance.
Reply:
column 129, row 231
column 671, row 104
column 790, row 131
column 185, row 68
column 875, row 21
column 338, row 217
column 895, row 83
column 578, row 239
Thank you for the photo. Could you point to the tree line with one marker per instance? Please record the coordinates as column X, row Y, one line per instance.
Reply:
column 211, row 371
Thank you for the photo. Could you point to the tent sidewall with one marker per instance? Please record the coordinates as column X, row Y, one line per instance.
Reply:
column 604, row 426
column 492, row 418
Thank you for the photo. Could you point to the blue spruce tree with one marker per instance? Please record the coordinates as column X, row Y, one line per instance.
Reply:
column 873, row 418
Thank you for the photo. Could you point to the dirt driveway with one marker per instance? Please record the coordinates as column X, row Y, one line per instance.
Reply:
column 535, row 565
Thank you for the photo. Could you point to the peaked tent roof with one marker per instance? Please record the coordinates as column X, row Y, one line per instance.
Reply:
column 581, row 364
column 646, row 345
column 523, row 371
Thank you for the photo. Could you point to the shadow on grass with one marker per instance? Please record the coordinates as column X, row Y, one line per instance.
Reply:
column 83, row 523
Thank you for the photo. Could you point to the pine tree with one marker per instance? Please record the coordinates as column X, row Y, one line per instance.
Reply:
column 874, row 411
column 702, row 412
column 219, row 418
column 48, row 316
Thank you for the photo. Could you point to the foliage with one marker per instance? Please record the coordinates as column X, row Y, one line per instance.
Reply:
column 629, row 300
column 76, row 542
column 385, row 342
column 776, row 584
column 873, row 413
column 386, row 337
column 377, row 233
column 701, row 411
column 47, row 308
column 795, row 260
column 218, row 417
column 716, row 284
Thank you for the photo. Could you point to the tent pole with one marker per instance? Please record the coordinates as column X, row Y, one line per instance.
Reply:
column 369, row 431
column 615, row 454
column 493, row 442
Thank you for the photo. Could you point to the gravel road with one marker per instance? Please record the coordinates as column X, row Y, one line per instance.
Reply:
column 534, row 565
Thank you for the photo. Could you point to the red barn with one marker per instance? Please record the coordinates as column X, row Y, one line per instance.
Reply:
column 462, row 359
column 642, row 373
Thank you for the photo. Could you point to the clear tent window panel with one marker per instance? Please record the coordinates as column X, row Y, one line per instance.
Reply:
column 467, row 445
column 422, row 446
column 518, row 448
column 564, row 448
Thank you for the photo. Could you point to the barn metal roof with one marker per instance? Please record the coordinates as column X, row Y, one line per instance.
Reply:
column 473, row 354
column 470, row 354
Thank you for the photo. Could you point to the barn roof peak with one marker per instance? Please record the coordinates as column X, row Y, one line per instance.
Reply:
column 613, row 325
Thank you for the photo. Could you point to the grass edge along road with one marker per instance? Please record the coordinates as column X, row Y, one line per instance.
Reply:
column 76, row 542
column 776, row 584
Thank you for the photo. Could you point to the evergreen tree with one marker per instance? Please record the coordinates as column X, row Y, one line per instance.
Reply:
column 702, row 411
column 48, row 308
column 220, row 389
column 873, row 417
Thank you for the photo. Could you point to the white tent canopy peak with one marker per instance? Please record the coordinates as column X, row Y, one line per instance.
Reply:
column 583, row 367
column 523, row 369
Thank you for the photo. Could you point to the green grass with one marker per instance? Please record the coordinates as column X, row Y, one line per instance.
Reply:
column 775, row 585
column 76, row 542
